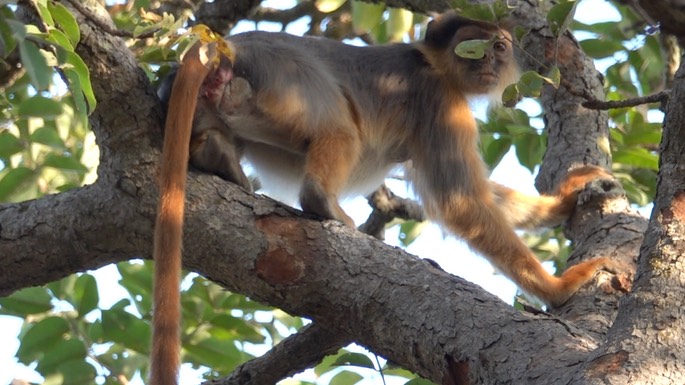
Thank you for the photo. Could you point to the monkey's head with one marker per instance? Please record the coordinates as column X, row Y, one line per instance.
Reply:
column 217, row 80
column 486, row 74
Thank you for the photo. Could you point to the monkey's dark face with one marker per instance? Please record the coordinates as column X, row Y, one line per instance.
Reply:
column 490, row 71
column 213, row 86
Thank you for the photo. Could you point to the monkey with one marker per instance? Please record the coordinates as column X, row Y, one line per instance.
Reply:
column 322, row 120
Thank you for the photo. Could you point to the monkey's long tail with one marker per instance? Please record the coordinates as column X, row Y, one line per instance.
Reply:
column 166, row 345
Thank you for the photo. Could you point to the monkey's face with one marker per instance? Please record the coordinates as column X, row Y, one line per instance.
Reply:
column 216, row 81
column 484, row 74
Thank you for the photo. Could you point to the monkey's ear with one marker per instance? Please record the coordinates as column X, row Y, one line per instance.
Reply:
column 442, row 28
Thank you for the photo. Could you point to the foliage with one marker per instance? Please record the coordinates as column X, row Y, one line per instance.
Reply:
column 70, row 337
column 42, row 125
column 635, row 66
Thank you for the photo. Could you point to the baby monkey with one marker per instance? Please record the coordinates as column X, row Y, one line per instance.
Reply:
column 324, row 120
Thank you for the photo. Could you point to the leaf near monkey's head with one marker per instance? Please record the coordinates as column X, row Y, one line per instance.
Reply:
column 473, row 49
column 212, row 42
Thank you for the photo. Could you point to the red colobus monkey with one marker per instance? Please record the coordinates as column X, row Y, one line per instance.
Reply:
column 330, row 119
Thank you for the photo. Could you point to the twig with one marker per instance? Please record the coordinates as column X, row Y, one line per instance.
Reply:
column 386, row 207
column 595, row 104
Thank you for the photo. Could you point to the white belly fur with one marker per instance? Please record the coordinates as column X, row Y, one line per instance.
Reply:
column 281, row 172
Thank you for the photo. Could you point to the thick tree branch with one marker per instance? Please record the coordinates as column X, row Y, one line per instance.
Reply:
column 395, row 304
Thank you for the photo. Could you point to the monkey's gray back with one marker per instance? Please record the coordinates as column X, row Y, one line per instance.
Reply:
column 386, row 80
column 323, row 82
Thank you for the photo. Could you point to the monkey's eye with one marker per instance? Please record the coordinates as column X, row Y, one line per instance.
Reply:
column 500, row 46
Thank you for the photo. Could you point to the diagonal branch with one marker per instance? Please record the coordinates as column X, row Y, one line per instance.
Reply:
column 300, row 351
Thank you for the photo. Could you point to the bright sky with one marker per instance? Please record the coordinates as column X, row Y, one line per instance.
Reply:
column 449, row 252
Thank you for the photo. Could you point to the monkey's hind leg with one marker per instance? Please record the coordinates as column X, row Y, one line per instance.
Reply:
column 331, row 157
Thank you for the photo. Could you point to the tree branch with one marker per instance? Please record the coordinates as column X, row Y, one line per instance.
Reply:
column 325, row 271
column 302, row 350
column 386, row 207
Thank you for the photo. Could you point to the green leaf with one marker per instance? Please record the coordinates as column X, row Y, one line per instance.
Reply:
column 354, row 359
column 648, row 64
column 560, row 16
column 366, row 16
column 472, row 49
column 64, row 162
column 511, row 96
column 645, row 181
column 399, row 23
column 9, row 144
column 474, row 10
column 411, row 230
column 76, row 87
column 495, row 149
column 530, row 84
column 35, row 64
column 77, row 372
column 217, row 353
column 7, row 39
column 345, row 378
column 15, row 180
column 41, row 7
column 86, row 294
column 59, row 38
column 638, row 157
column 601, row 48
column 136, row 278
column 501, row 9
column 45, row 333
column 40, row 107
column 520, row 32
column 553, row 77
column 238, row 328
column 530, row 146
column 640, row 133
column 48, row 136
column 79, row 80
column 636, row 193
column 17, row 28
column 66, row 21
column 63, row 289
column 59, row 353
column 32, row 300
column 120, row 326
